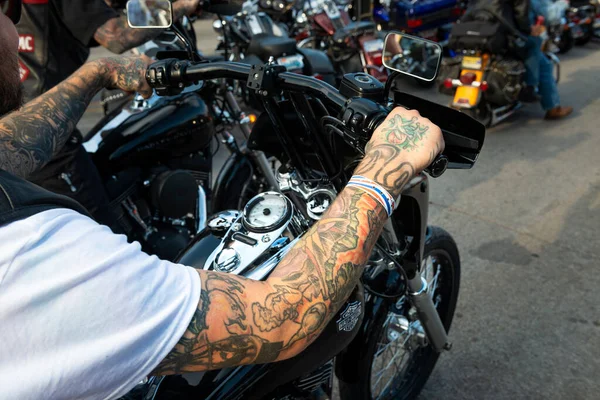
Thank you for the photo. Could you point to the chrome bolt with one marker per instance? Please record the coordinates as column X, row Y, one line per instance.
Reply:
column 236, row 227
column 266, row 239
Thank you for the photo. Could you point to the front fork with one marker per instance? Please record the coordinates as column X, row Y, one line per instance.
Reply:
column 427, row 313
column 420, row 298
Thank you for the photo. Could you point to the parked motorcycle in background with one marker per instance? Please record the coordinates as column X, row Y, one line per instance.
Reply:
column 581, row 17
column 251, row 36
column 431, row 19
column 351, row 45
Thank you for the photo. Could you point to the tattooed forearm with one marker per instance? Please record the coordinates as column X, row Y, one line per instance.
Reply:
column 258, row 322
column 31, row 136
column 118, row 37
column 240, row 321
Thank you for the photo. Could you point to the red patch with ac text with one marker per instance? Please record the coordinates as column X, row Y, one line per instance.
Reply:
column 26, row 44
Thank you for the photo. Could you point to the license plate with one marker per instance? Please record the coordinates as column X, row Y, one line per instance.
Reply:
column 471, row 62
column 373, row 46
column 291, row 62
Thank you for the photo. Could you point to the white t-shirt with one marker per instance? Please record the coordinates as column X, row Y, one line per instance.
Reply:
column 83, row 313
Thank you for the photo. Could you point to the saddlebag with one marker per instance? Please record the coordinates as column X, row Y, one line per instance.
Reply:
column 485, row 36
column 505, row 81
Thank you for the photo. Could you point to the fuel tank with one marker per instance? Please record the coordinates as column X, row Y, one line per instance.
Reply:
column 171, row 127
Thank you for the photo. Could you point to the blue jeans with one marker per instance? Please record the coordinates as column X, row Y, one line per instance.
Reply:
column 539, row 72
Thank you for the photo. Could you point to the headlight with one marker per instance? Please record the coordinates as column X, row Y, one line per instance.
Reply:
column 218, row 26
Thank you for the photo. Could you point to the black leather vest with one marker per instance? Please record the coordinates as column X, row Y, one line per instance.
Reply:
column 48, row 52
column 20, row 199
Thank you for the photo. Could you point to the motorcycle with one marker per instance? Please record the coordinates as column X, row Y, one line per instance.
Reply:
column 252, row 37
column 146, row 150
column 430, row 20
column 561, row 31
column 351, row 45
column 490, row 77
column 581, row 17
column 405, row 301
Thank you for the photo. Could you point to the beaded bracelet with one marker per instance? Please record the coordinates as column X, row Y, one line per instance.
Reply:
column 375, row 190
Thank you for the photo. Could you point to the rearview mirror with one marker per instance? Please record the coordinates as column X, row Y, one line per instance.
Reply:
column 149, row 13
column 412, row 56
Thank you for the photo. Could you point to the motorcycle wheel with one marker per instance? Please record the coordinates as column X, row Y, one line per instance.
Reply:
column 566, row 42
column 406, row 378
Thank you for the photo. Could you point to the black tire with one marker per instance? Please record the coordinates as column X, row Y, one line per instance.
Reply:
column 566, row 42
column 441, row 245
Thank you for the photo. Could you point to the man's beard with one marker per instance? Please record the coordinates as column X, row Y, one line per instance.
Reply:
column 11, row 89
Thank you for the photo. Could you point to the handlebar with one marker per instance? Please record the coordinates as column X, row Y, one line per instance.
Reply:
column 178, row 74
column 359, row 114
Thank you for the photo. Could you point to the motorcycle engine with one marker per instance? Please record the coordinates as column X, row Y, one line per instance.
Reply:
column 162, row 208
column 505, row 81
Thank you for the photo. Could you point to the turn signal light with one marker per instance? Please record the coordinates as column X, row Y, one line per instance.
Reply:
column 414, row 23
column 484, row 86
column 252, row 118
column 448, row 83
column 457, row 12
column 467, row 78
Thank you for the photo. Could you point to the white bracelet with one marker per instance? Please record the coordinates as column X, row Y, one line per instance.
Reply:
column 375, row 190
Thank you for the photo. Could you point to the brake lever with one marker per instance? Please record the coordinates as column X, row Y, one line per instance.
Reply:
column 438, row 166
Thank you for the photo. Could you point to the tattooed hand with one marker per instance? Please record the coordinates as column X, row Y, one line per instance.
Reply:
column 189, row 7
column 402, row 146
column 125, row 73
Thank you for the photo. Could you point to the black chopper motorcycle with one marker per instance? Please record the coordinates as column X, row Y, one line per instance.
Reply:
column 146, row 150
column 252, row 37
column 386, row 339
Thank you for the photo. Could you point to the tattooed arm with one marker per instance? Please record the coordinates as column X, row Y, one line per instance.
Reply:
column 30, row 136
column 118, row 37
column 241, row 321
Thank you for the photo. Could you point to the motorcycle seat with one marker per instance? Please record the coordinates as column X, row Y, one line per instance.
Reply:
column 354, row 28
column 265, row 46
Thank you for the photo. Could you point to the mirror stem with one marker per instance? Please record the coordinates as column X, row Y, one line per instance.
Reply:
column 190, row 50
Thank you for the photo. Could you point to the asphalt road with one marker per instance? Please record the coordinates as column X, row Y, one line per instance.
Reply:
column 526, row 219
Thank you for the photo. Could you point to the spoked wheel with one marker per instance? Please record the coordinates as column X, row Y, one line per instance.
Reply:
column 399, row 360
